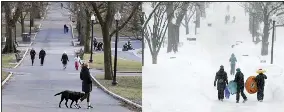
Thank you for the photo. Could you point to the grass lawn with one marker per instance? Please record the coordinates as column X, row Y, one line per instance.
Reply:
column 122, row 65
column 4, row 75
column 7, row 59
column 129, row 87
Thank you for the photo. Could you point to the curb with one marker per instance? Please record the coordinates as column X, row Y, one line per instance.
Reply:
column 7, row 78
column 128, row 71
column 128, row 102
column 20, row 62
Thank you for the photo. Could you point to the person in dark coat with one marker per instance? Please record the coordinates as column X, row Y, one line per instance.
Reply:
column 239, row 79
column 32, row 53
column 41, row 56
column 95, row 43
column 260, row 82
column 222, row 80
column 85, row 76
column 233, row 61
column 65, row 28
column 64, row 59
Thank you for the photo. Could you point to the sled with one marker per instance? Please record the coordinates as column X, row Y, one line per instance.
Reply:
column 232, row 87
column 227, row 92
column 250, row 85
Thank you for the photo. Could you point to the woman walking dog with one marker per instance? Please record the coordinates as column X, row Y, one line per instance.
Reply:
column 85, row 76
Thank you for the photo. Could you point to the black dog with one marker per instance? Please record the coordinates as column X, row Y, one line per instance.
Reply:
column 72, row 95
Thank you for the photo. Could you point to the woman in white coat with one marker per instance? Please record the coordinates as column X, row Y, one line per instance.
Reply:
column 77, row 62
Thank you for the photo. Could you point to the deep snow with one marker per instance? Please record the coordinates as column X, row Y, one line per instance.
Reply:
column 185, row 83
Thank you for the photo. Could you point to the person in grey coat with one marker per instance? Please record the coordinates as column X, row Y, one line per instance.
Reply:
column 233, row 61
column 222, row 80
column 85, row 76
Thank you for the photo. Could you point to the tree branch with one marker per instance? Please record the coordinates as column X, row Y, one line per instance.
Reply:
column 275, row 8
column 98, row 14
column 129, row 17
column 150, row 16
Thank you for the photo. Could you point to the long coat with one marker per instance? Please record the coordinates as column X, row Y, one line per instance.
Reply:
column 42, row 54
column 85, row 76
column 32, row 53
column 64, row 58
column 222, row 79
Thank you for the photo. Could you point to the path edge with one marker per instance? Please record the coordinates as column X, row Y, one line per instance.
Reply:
column 7, row 78
column 128, row 102
column 20, row 62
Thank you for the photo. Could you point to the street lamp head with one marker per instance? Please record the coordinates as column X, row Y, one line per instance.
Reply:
column 273, row 17
column 93, row 17
column 117, row 16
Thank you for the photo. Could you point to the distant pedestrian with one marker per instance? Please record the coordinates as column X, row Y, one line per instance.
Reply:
column 65, row 28
column 233, row 61
column 32, row 53
column 41, row 56
column 61, row 5
column 77, row 62
column 239, row 79
column 64, row 59
column 222, row 81
column 95, row 43
column 85, row 76
column 260, row 82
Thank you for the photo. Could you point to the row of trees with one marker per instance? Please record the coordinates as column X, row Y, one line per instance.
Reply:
column 104, row 13
column 262, row 13
column 167, row 17
column 16, row 12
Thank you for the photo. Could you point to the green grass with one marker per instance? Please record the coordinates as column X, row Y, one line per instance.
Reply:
column 4, row 75
column 7, row 59
column 122, row 65
column 129, row 87
column 98, row 31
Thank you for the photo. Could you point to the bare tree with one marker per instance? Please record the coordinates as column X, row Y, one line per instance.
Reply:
column 264, row 11
column 155, row 34
column 106, row 21
column 11, row 19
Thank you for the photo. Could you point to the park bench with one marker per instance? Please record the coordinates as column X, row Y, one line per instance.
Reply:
column 74, row 43
column 18, row 57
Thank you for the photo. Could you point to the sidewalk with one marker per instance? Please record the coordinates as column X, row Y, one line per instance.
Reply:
column 32, row 88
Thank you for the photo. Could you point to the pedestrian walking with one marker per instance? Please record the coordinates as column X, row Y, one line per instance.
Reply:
column 41, row 56
column 32, row 53
column 95, row 43
column 64, row 59
column 239, row 79
column 77, row 62
column 233, row 61
column 222, row 80
column 61, row 5
column 85, row 76
column 260, row 82
column 65, row 28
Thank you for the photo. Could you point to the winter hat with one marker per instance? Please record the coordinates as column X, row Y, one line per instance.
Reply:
column 64, row 52
column 260, row 71
column 221, row 67
column 238, row 69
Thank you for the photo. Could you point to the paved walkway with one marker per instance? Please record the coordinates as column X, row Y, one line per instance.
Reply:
column 33, row 89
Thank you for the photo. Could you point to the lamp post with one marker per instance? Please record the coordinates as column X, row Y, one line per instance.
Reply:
column 272, row 46
column 253, row 32
column 93, row 18
column 30, row 23
column 117, row 17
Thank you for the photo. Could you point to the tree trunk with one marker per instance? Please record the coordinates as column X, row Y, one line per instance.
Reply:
column 38, row 10
column 22, row 23
column 107, row 53
column 170, row 10
column 154, row 58
column 264, row 47
column 87, row 33
column 175, row 38
column 186, row 27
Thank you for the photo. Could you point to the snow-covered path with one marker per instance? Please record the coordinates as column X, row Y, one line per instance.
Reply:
column 185, row 83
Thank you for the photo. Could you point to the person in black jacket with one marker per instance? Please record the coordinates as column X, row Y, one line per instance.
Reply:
column 239, row 79
column 85, row 76
column 41, row 56
column 260, row 82
column 64, row 59
column 32, row 53
column 222, row 80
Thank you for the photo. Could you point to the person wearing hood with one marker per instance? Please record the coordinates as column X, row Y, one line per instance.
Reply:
column 32, row 53
column 222, row 80
column 260, row 82
column 64, row 59
column 239, row 79
column 233, row 61
column 41, row 56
